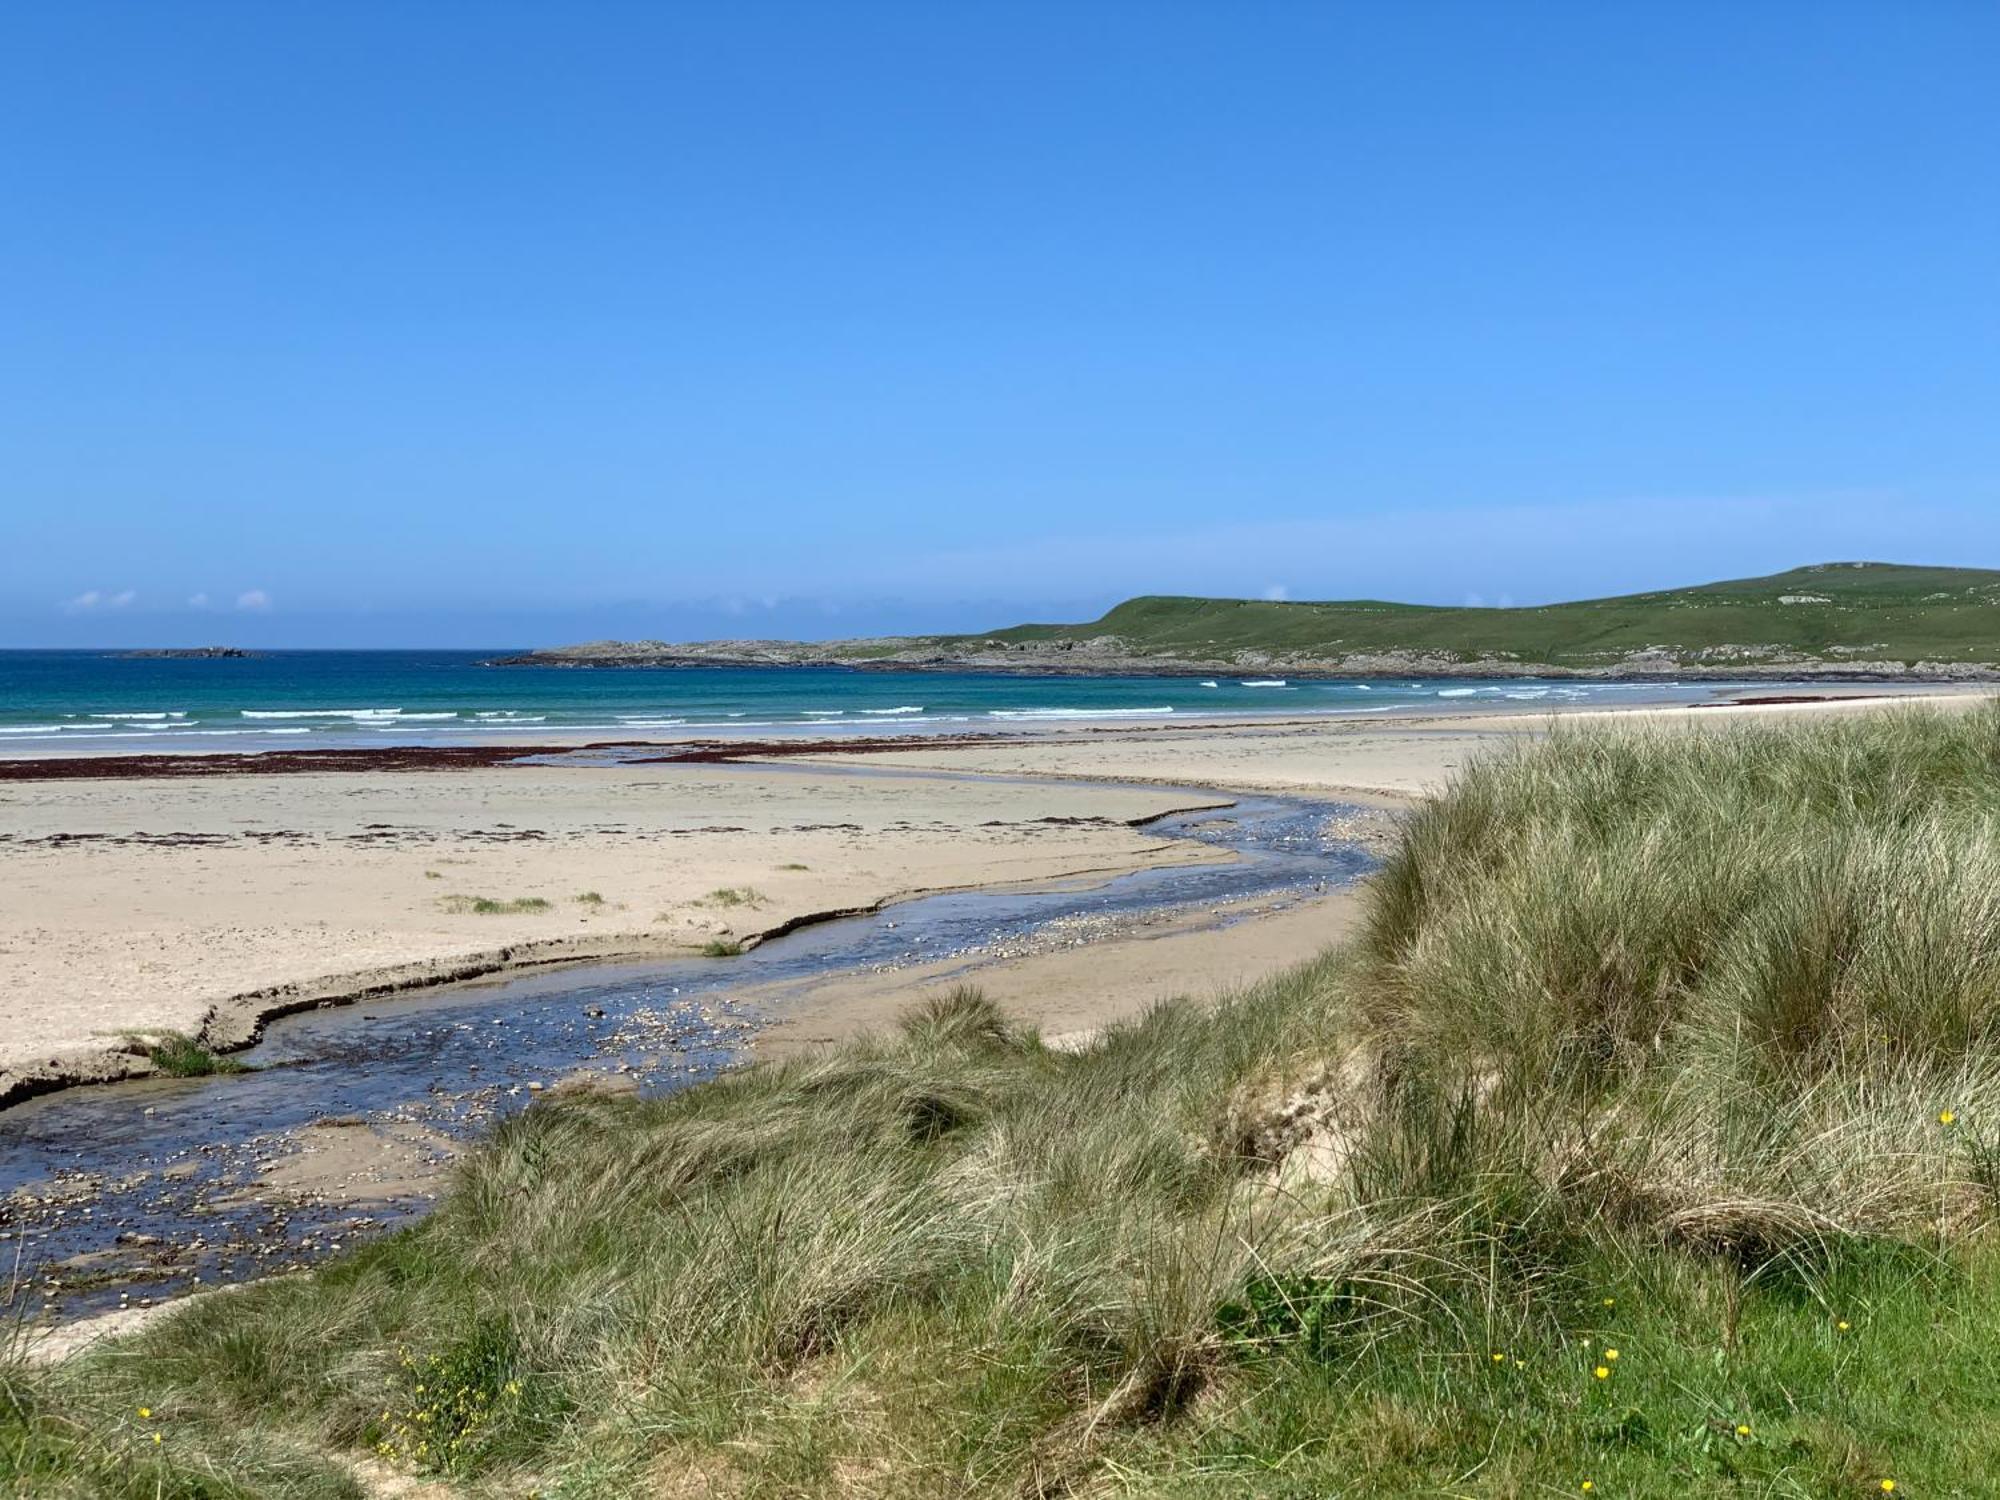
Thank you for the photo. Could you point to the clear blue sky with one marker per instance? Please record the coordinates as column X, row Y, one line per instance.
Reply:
column 438, row 323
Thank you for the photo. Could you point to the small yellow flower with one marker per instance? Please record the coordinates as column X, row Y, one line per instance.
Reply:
column 156, row 1437
column 1499, row 1359
column 1945, row 1117
column 1888, row 1486
column 513, row 1387
column 1610, row 1301
column 1602, row 1372
column 1841, row 1326
column 1588, row 1486
column 144, row 1412
column 1612, row 1355
column 1742, row 1429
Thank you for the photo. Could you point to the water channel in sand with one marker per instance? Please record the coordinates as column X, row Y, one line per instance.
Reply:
column 121, row 1194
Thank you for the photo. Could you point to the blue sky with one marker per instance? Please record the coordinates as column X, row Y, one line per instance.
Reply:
column 489, row 323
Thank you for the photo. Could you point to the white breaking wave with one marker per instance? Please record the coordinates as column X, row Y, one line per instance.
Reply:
column 907, row 708
column 1264, row 682
column 1042, row 714
column 1456, row 692
column 33, row 729
column 320, row 713
column 1211, row 683
column 134, row 718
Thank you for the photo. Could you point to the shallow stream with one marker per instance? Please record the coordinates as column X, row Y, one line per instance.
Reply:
column 124, row 1194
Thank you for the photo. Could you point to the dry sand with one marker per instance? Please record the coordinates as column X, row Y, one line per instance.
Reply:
column 195, row 904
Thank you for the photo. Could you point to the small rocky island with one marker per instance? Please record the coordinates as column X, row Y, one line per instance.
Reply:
column 190, row 653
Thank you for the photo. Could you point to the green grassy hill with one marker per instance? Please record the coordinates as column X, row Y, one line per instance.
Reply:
column 1832, row 612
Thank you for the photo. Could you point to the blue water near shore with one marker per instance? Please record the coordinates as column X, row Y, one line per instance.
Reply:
column 65, row 701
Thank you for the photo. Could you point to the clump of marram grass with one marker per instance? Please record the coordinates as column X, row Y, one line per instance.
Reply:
column 736, row 895
column 178, row 1056
column 1674, row 1047
column 491, row 906
column 722, row 948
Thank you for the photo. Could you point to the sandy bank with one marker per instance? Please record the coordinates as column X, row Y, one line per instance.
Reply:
column 198, row 904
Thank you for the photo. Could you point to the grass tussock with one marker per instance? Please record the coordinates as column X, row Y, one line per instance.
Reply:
column 491, row 906
column 178, row 1056
column 1649, row 1137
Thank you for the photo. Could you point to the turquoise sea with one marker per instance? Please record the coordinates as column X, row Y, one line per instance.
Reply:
column 65, row 701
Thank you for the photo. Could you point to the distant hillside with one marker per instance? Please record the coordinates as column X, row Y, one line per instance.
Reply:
column 1832, row 619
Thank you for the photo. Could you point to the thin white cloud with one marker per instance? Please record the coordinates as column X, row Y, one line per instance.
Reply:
column 91, row 599
column 198, row 601
column 253, row 599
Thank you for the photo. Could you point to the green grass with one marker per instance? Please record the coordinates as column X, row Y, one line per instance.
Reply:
column 722, row 948
column 589, row 898
column 489, row 906
column 1840, row 612
column 1683, row 1046
column 178, row 1056
column 728, row 896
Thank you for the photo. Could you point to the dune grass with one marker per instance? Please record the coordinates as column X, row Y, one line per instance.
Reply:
column 1678, row 1047
column 178, row 1056
column 493, row 906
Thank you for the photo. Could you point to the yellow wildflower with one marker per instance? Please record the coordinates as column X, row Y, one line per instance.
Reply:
column 1888, row 1486
column 1610, row 1301
column 156, row 1437
column 1499, row 1359
column 1601, row 1373
column 1841, row 1326
column 1588, row 1486
column 1946, row 1116
column 1612, row 1355
column 1742, row 1430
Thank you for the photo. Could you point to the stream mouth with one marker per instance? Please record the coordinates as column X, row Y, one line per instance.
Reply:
column 126, row 1194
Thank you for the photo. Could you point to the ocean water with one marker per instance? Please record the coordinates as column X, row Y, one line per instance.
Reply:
column 66, row 701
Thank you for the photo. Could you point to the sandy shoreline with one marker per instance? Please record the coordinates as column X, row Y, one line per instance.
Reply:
column 139, row 904
column 194, row 905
